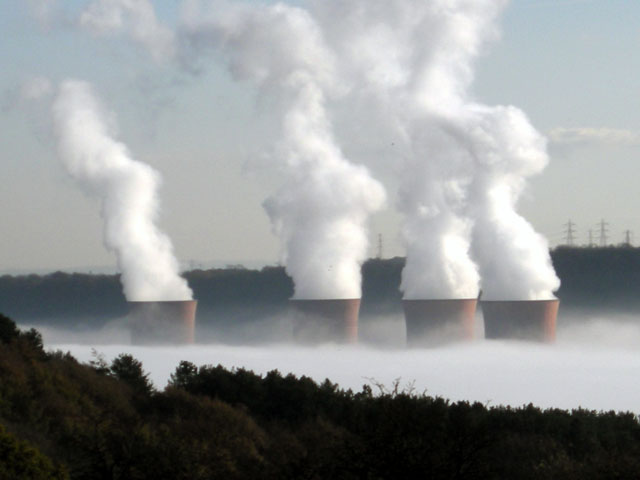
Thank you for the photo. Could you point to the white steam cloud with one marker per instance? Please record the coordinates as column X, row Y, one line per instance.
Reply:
column 136, row 18
column 432, row 198
column 320, row 213
column 407, row 57
column 513, row 259
column 465, row 164
column 128, row 192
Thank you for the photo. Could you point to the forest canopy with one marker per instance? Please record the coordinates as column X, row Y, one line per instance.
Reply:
column 62, row 419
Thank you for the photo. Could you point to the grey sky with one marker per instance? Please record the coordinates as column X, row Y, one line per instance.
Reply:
column 571, row 65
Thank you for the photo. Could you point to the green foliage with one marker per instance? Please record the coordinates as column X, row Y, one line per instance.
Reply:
column 62, row 296
column 107, row 422
column 21, row 461
column 33, row 338
column 8, row 329
column 126, row 368
column 99, row 363
column 185, row 375
column 319, row 431
column 203, row 438
column 598, row 277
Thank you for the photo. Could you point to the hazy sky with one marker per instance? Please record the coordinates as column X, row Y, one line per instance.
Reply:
column 571, row 65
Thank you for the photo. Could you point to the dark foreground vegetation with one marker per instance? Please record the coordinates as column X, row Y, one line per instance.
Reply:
column 592, row 278
column 60, row 419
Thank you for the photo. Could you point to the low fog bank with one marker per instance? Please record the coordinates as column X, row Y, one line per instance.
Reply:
column 598, row 331
column 595, row 363
column 495, row 373
column 385, row 330
column 230, row 328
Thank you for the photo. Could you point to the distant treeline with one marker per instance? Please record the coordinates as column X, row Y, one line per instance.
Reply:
column 592, row 278
column 60, row 419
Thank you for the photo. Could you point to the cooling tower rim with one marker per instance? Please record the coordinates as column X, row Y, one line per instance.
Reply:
column 162, row 302
column 350, row 299
column 549, row 300
column 465, row 299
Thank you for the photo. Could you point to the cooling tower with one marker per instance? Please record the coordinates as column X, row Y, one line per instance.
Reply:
column 522, row 320
column 430, row 322
column 162, row 322
column 321, row 321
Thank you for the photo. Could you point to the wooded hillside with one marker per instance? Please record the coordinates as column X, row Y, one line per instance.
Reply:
column 61, row 419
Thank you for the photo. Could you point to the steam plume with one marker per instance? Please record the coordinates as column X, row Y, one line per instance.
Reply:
column 406, row 56
column 466, row 164
column 128, row 192
column 137, row 18
column 436, row 232
column 513, row 259
column 320, row 212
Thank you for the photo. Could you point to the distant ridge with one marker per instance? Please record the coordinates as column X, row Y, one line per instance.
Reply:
column 596, row 278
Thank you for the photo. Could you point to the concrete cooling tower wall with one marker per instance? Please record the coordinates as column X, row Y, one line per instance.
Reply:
column 171, row 322
column 430, row 322
column 323, row 321
column 533, row 320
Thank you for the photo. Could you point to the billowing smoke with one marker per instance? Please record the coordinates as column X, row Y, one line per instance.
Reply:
column 127, row 190
column 321, row 210
column 465, row 164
